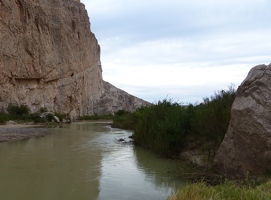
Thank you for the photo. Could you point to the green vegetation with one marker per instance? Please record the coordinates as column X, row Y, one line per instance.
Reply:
column 126, row 120
column 4, row 117
column 18, row 111
column 96, row 117
column 168, row 127
column 22, row 113
column 163, row 127
column 227, row 191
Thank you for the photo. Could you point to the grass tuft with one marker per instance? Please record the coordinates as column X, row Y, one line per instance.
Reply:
column 226, row 191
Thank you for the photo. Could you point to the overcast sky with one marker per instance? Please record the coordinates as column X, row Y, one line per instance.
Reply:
column 180, row 49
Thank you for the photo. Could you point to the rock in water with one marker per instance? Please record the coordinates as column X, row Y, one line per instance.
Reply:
column 49, row 57
column 246, row 148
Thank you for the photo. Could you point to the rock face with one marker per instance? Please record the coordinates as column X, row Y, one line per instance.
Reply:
column 114, row 99
column 49, row 57
column 246, row 148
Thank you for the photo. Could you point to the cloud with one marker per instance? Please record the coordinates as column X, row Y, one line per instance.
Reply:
column 183, row 49
column 186, row 84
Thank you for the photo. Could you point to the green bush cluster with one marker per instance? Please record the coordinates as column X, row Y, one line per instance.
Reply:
column 4, row 117
column 124, row 119
column 96, row 117
column 22, row 112
column 166, row 127
column 163, row 127
column 211, row 119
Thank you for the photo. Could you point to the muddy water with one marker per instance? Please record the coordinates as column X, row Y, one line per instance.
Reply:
column 83, row 161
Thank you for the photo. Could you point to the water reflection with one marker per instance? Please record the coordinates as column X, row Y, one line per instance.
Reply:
column 83, row 161
column 130, row 172
column 54, row 167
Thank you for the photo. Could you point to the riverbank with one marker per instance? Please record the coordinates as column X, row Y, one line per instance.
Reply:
column 228, row 190
column 15, row 132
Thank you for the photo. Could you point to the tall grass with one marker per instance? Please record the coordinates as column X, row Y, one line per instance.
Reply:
column 211, row 120
column 166, row 127
column 163, row 127
column 228, row 190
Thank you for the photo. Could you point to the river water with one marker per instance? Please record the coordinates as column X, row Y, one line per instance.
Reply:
column 84, row 161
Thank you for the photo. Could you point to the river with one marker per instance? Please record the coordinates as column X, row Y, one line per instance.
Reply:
column 84, row 161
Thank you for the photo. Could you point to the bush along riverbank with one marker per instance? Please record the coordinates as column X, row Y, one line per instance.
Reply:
column 192, row 132
column 21, row 113
column 170, row 128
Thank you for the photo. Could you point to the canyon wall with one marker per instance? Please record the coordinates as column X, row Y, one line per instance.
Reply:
column 49, row 57
column 114, row 99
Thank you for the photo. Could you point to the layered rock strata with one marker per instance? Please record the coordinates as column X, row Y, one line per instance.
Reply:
column 246, row 148
column 49, row 57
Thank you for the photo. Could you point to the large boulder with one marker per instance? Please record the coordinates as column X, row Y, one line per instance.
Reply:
column 246, row 148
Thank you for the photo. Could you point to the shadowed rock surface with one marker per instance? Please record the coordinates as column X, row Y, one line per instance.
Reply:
column 49, row 57
column 246, row 148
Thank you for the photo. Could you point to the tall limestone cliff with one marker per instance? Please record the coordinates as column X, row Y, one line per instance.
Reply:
column 49, row 57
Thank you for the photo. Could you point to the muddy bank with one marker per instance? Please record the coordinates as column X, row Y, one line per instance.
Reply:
column 20, row 132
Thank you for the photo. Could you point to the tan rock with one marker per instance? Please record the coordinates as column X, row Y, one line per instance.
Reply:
column 246, row 148
column 114, row 99
column 49, row 57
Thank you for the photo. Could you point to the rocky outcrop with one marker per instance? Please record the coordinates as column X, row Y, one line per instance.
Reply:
column 49, row 57
column 114, row 99
column 246, row 148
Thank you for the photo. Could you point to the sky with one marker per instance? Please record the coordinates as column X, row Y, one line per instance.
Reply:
column 183, row 50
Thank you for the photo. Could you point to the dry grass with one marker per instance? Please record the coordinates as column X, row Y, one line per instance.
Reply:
column 227, row 191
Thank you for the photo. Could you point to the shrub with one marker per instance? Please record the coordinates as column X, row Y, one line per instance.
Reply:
column 4, row 117
column 163, row 127
column 50, row 117
column 121, row 112
column 125, row 120
column 211, row 120
column 166, row 127
column 18, row 111
column 60, row 116
column 36, row 118
column 96, row 117
column 43, row 109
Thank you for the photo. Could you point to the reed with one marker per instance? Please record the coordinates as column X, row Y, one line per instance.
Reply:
column 167, row 127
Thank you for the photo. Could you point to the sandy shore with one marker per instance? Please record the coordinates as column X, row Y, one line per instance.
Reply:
column 15, row 132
